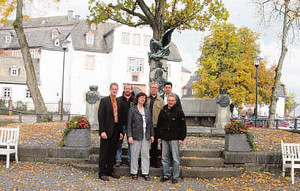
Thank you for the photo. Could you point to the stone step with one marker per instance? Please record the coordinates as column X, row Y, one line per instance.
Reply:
column 184, row 161
column 201, row 162
column 191, row 172
column 208, row 153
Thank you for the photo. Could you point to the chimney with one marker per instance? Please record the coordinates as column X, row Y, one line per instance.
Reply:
column 77, row 17
column 70, row 15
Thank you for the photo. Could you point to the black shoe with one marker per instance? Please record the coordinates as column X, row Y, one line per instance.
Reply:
column 134, row 176
column 104, row 178
column 174, row 181
column 147, row 177
column 164, row 179
column 113, row 175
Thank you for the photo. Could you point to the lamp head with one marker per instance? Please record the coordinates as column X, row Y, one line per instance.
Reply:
column 256, row 60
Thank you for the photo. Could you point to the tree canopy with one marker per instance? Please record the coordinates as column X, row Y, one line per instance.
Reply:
column 226, row 63
column 161, row 15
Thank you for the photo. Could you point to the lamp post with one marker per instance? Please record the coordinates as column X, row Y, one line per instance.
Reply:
column 256, row 64
column 64, row 47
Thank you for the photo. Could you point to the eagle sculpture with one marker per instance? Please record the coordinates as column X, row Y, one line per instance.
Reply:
column 160, row 48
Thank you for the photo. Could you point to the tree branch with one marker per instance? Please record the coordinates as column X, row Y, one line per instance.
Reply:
column 145, row 10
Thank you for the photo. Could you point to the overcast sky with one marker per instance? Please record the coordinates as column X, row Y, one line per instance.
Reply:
column 242, row 13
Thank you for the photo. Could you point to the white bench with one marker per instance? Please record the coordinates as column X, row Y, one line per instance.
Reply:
column 9, row 138
column 290, row 157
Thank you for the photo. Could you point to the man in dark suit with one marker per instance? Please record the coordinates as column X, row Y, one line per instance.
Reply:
column 110, row 132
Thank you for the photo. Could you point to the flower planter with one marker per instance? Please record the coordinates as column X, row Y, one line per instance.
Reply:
column 237, row 142
column 78, row 138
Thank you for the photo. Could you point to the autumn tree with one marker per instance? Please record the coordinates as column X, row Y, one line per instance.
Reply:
column 160, row 15
column 226, row 62
column 289, row 103
column 6, row 9
column 286, row 12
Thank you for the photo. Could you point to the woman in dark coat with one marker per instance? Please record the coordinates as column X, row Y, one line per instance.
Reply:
column 140, row 136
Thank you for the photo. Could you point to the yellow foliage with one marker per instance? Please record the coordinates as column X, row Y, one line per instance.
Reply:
column 226, row 63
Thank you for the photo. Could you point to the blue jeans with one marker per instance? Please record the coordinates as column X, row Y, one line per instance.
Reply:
column 119, row 147
column 173, row 148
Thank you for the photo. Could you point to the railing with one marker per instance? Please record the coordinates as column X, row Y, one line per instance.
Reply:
column 287, row 124
column 53, row 116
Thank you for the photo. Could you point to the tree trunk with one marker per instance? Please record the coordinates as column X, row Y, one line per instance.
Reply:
column 31, row 80
column 277, row 83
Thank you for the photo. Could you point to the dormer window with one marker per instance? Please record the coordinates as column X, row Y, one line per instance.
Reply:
column 14, row 71
column 54, row 34
column 7, row 39
column 93, row 26
column 90, row 38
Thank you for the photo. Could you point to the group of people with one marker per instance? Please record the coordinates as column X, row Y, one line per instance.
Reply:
column 148, row 121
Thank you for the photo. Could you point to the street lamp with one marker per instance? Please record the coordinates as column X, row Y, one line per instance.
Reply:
column 256, row 64
column 64, row 47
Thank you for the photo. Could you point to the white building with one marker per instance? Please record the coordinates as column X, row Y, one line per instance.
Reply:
column 95, row 55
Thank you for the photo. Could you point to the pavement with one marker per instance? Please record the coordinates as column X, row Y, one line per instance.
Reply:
column 45, row 176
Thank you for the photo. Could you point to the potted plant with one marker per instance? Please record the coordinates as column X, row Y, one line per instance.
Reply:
column 238, row 138
column 77, row 132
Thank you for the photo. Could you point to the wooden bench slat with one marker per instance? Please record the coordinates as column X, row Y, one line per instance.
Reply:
column 9, row 138
column 290, row 157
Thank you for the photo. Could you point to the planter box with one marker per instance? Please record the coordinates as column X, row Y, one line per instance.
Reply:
column 78, row 138
column 237, row 142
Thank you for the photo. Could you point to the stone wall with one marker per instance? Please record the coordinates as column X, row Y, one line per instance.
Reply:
column 199, row 111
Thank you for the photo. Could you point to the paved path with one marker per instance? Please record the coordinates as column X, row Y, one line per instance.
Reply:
column 42, row 176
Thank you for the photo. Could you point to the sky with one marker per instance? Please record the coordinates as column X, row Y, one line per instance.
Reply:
column 243, row 13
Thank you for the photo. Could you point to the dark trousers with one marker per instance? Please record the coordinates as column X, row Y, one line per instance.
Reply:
column 108, row 150
column 154, row 152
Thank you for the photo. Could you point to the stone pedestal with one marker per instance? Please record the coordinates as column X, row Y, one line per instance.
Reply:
column 222, row 110
column 78, row 138
column 158, row 72
column 237, row 142
column 92, row 106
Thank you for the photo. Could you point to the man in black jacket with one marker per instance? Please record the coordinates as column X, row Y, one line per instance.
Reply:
column 110, row 132
column 171, row 132
column 126, row 102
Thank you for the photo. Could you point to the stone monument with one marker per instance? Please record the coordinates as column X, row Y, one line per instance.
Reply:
column 222, row 111
column 92, row 106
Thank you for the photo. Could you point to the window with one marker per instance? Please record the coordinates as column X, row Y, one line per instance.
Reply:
column 125, row 38
column 32, row 53
column 136, row 39
column 14, row 71
column 131, row 65
column 139, row 65
column 90, row 62
column 7, row 39
column 134, row 78
column 27, row 94
column 54, row 34
column 135, row 65
column 90, row 38
column 93, row 26
column 6, row 92
column 147, row 40
column 15, row 53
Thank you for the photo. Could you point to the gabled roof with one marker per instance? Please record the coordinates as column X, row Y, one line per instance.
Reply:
column 39, row 34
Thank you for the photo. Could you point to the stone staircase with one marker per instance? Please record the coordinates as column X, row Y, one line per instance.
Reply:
column 194, row 163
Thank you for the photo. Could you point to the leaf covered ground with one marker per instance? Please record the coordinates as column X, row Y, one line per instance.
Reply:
column 43, row 176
